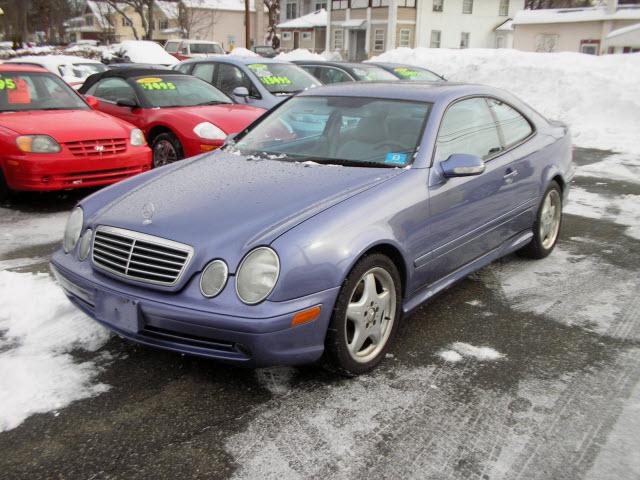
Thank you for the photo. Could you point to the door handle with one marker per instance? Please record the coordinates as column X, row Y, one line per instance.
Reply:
column 510, row 174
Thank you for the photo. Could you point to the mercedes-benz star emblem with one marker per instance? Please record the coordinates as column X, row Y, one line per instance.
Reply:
column 147, row 213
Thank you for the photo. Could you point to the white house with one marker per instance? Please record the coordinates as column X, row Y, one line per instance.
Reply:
column 290, row 9
column 466, row 23
column 308, row 31
column 593, row 30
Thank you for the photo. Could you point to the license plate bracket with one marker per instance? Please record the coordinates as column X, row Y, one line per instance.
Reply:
column 123, row 313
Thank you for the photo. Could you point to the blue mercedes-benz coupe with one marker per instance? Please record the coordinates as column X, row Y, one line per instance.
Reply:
column 310, row 234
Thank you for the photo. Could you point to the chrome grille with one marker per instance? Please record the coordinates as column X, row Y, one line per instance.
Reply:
column 140, row 257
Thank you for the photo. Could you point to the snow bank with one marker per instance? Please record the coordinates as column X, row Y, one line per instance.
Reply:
column 622, row 167
column 243, row 52
column 598, row 96
column 300, row 54
column 459, row 350
column 37, row 373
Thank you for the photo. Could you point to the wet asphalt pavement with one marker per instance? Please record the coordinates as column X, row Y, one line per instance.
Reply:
column 563, row 402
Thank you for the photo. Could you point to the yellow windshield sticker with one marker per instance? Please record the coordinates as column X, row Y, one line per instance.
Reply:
column 7, row 84
column 257, row 66
column 149, row 80
column 272, row 80
column 405, row 72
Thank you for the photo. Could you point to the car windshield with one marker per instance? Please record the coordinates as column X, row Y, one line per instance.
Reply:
column 80, row 70
column 206, row 48
column 21, row 91
column 416, row 74
column 282, row 78
column 178, row 91
column 350, row 131
column 372, row 73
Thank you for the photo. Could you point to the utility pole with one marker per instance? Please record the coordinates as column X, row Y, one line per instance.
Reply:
column 247, row 25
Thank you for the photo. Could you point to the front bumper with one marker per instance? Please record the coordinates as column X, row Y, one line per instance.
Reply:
column 165, row 320
column 47, row 172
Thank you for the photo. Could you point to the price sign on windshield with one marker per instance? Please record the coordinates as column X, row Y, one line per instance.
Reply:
column 153, row 83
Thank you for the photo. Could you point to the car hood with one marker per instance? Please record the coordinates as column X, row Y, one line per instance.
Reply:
column 66, row 125
column 224, row 204
column 230, row 118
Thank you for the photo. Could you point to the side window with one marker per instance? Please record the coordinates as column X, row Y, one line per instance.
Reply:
column 468, row 127
column 184, row 49
column 113, row 89
column 229, row 77
column 513, row 125
column 171, row 47
column 184, row 68
column 204, row 71
column 333, row 75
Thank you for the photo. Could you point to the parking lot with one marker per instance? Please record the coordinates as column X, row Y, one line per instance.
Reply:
column 556, row 393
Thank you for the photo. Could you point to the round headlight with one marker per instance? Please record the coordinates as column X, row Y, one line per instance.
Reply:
column 213, row 278
column 257, row 275
column 85, row 245
column 73, row 230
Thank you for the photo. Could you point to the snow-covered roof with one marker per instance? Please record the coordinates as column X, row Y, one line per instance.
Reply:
column 623, row 30
column 355, row 23
column 312, row 20
column 571, row 15
column 230, row 5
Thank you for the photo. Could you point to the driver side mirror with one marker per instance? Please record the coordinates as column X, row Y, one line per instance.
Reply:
column 462, row 165
column 242, row 92
column 92, row 101
column 126, row 102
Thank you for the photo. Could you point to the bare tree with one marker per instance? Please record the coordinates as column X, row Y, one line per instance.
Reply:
column 194, row 21
column 273, row 7
column 144, row 9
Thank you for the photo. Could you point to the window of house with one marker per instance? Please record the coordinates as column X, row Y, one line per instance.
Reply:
column 306, row 35
column 338, row 39
column 292, row 9
column 88, row 21
column 435, row 39
column 164, row 24
column 379, row 3
column 407, row 3
column 464, row 40
column 467, row 6
column 339, row 4
column 378, row 40
column 438, row 5
column 319, row 6
column 359, row 3
column 468, row 127
column 126, row 22
column 590, row 47
column 512, row 124
column 547, row 42
column 405, row 38
column 286, row 35
column 503, row 10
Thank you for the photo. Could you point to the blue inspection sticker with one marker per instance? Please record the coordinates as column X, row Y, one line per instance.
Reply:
column 396, row 158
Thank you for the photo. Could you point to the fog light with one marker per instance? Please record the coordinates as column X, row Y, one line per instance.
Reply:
column 213, row 278
column 85, row 245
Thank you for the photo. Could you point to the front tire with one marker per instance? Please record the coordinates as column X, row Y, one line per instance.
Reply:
column 365, row 317
column 546, row 228
column 166, row 149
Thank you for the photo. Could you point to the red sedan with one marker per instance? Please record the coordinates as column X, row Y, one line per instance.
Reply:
column 51, row 139
column 180, row 115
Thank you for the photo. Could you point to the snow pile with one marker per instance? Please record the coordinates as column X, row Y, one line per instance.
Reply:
column 37, row 372
column 459, row 350
column 598, row 96
column 142, row 51
column 243, row 52
column 18, row 229
column 300, row 54
column 622, row 167
column 620, row 209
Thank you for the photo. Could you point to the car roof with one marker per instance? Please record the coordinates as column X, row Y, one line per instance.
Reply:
column 431, row 92
column 16, row 67
column 126, row 73
column 236, row 59
column 394, row 64
column 330, row 64
column 52, row 60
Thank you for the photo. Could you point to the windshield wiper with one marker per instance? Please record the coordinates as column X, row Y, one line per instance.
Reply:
column 340, row 161
column 212, row 102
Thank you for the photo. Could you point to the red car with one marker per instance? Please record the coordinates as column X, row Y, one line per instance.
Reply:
column 180, row 115
column 51, row 139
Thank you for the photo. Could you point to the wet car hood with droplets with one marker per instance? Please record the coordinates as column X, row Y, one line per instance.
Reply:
column 224, row 204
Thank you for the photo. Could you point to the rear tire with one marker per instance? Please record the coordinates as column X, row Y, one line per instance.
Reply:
column 4, row 188
column 166, row 149
column 546, row 228
column 365, row 317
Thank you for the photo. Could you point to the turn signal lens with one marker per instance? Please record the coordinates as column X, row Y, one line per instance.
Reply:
column 306, row 316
